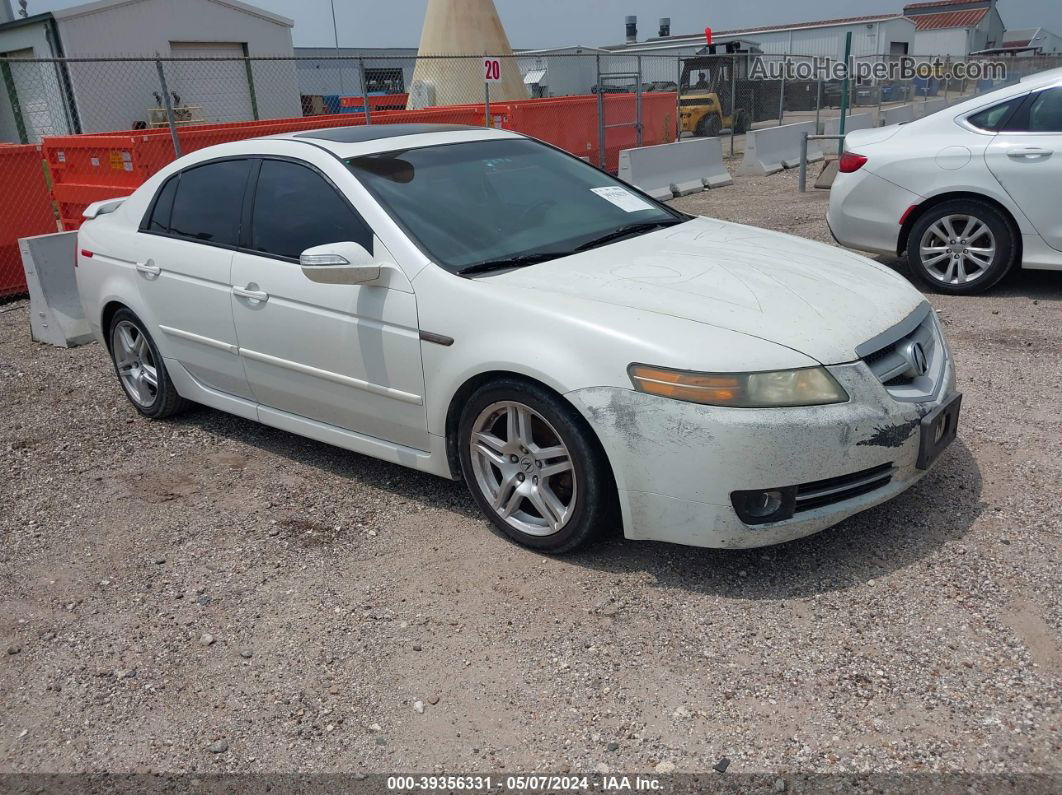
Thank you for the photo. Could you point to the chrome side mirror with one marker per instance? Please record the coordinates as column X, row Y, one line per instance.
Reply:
column 339, row 263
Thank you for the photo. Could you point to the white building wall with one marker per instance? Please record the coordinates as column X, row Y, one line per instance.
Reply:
column 949, row 41
column 114, row 96
column 38, row 86
column 320, row 74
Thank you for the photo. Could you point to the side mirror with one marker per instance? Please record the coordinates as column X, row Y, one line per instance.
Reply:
column 339, row 263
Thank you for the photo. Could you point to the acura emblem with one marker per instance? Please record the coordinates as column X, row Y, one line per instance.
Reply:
column 915, row 355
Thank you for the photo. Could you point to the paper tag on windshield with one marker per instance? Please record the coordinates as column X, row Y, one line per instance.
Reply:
column 623, row 198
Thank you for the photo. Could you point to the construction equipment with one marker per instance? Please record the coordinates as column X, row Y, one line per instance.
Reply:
column 707, row 87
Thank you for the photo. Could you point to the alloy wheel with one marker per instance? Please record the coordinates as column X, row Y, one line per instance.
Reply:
column 957, row 249
column 135, row 363
column 523, row 468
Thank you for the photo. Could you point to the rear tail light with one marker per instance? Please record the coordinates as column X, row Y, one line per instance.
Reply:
column 850, row 162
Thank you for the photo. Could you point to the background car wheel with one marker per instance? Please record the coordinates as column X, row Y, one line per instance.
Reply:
column 741, row 122
column 961, row 246
column 534, row 467
column 708, row 126
column 140, row 370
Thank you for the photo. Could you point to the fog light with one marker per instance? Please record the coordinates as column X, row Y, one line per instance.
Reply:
column 766, row 505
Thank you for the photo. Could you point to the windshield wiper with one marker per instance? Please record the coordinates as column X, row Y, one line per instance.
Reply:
column 626, row 230
column 517, row 261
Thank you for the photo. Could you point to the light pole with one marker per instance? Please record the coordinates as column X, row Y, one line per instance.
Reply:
column 335, row 33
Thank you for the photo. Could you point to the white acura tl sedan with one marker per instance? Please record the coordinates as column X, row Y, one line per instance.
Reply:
column 473, row 303
column 966, row 192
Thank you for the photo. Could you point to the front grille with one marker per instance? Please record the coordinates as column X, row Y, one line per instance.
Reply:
column 888, row 357
column 844, row 487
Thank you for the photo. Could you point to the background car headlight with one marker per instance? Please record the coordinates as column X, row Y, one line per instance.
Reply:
column 806, row 386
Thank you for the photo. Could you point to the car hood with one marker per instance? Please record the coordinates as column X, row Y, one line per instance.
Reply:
column 817, row 299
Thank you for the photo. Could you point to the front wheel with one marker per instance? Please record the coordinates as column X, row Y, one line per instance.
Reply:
column 534, row 467
column 961, row 246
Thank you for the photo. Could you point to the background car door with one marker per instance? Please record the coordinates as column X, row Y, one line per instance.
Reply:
column 1026, row 158
column 184, row 248
column 346, row 355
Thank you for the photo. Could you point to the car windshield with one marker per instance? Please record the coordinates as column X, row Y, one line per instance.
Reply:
column 486, row 205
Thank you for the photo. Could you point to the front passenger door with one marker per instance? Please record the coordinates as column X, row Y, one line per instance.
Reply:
column 345, row 355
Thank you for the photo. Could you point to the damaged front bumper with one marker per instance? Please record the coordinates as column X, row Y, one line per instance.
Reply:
column 677, row 465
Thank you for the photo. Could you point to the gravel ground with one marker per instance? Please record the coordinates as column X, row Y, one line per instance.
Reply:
column 209, row 594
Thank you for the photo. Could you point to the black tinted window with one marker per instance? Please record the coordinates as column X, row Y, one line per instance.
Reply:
column 160, row 214
column 208, row 202
column 1045, row 112
column 296, row 209
column 992, row 118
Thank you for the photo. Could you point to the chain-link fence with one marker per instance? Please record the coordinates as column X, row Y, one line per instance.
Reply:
column 83, row 129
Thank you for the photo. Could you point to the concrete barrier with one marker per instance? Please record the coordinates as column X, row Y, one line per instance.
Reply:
column 857, row 121
column 675, row 169
column 56, row 316
column 897, row 115
column 923, row 109
column 771, row 149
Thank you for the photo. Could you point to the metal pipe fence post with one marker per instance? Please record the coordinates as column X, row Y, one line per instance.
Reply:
column 364, row 91
column 638, row 105
column 486, row 104
column 600, row 117
column 781, row 92
column 733, row 101
column 818, row 101
column 168, row 103
column 803, row 161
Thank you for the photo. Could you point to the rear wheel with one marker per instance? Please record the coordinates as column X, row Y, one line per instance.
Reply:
column 961, row 246
column 534, row 467
column 140, row 369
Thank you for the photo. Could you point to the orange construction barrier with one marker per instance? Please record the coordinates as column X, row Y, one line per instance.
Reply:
column 88, row 168
column 27, row 210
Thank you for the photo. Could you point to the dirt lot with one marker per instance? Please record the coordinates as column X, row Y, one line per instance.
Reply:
column 209, row 594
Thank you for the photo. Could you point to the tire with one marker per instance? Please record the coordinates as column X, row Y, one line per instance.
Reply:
column 741, row 122
column 579, row 499
column 961, row 246
column 135, row 357
column 709, row 126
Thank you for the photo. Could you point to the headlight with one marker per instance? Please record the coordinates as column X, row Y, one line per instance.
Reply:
column 807, row 386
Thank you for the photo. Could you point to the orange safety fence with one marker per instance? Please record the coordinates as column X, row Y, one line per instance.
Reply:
column 91, row 167
column 27, row 210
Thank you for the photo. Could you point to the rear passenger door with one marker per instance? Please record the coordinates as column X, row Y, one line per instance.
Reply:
column 1026, row 158
column 344, row 355
column 184, row 252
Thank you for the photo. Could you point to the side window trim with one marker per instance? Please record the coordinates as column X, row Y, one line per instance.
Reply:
column 145, row 222
column 256, row 169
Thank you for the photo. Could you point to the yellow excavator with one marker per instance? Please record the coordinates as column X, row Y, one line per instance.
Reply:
column 706, row 106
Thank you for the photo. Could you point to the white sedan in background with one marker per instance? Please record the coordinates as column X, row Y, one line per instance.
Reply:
column 473, row 303
column 966, row 192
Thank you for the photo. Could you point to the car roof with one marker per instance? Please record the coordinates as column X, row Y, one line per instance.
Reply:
column 361, row 139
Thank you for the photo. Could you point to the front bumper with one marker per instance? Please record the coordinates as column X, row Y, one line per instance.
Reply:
column 676, row 464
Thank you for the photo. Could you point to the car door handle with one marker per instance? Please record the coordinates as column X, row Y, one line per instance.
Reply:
column 149, row 268
column 252, row 295
column 1020, row 152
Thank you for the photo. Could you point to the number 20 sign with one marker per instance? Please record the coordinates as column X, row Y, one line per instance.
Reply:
column 492, row 70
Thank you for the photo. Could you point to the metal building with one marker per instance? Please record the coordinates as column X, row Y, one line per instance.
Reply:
column 955, row 28
column 55, row 99
column 871, row 35
column 1027, row 42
